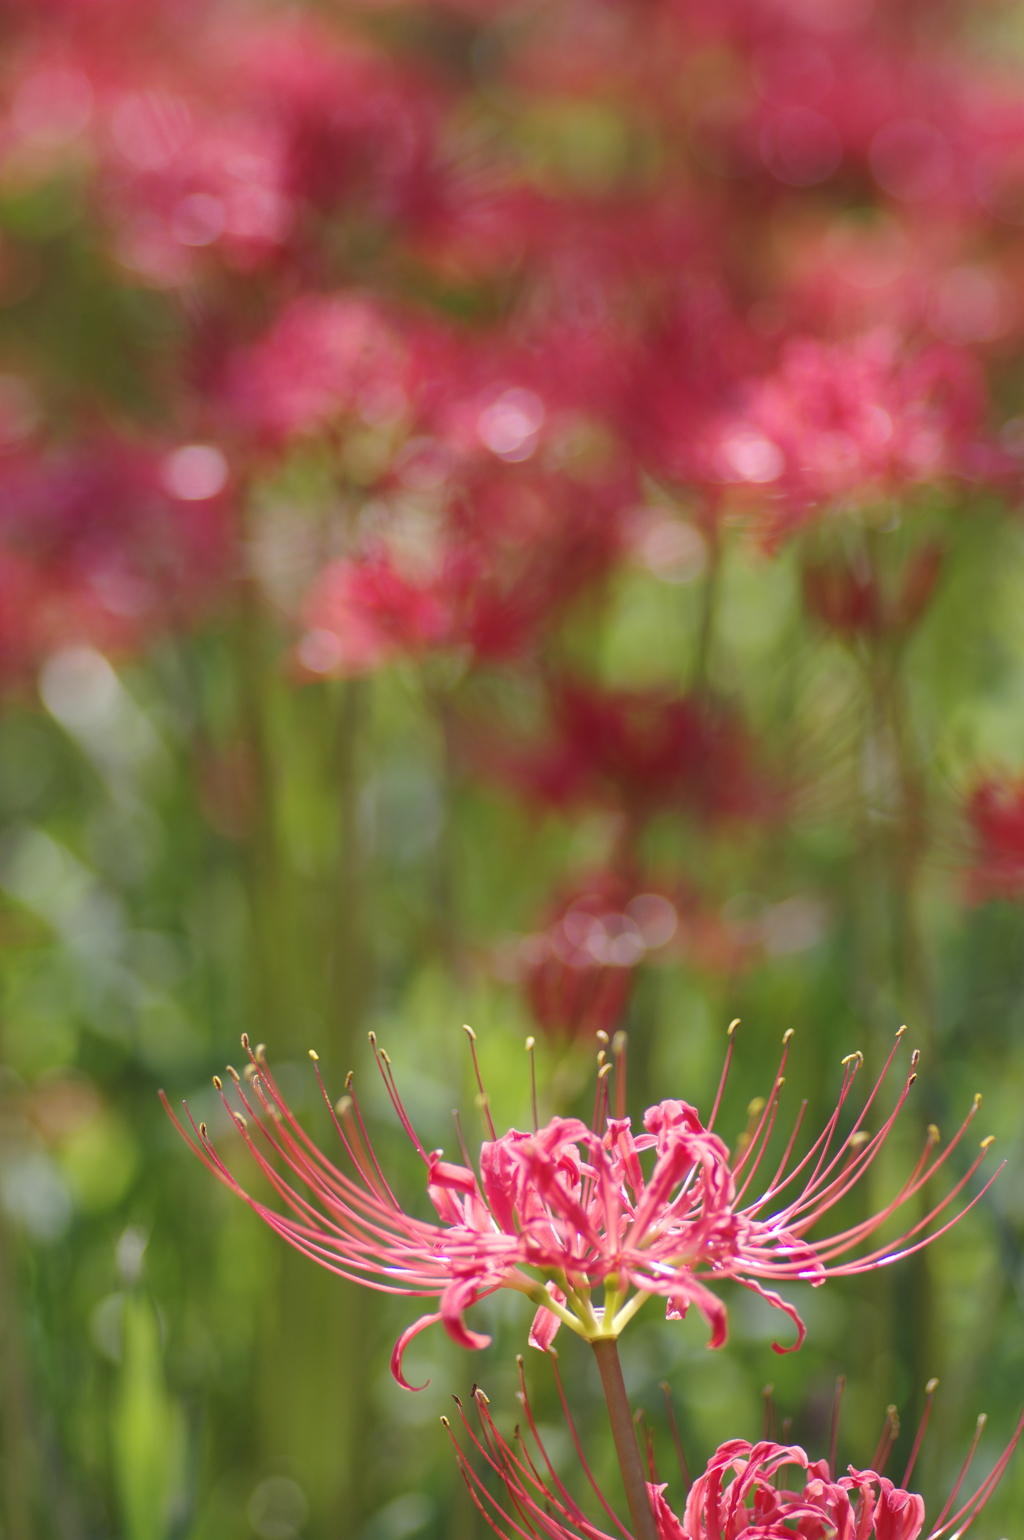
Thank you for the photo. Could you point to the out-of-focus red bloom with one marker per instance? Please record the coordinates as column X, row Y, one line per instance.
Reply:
column 326, row 358
column 566, row 1209
column 762, row 1491
column 854, row 602
column 850, row 424
column 217, row 136
column 109, row 543
column 643, row 752
column 995, row 811
column 363, row 615
column 577, row 971
column 499, row 564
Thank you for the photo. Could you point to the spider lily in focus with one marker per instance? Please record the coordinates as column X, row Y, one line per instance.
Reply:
column 747, row 1491
column 567, row 1209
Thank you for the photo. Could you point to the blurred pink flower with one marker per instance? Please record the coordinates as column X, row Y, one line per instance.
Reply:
column 110, row 543
column 640, row 751
column 995, row 811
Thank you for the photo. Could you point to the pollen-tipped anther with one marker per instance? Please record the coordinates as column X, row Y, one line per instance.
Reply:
column 851, row 1056
column 931, row 1387
column 990, row 1140
column 530, row 1044
column 314, row 1055
column 245, row 1041
column 261, row 1053
column 977, row 1098
column 232, row 1071
column 901, row 1030
column 218, row 1082
column 915, row 1058
column 469, row 1032
column 731, row 1028
column 786, row 1036
column 602, row 1037
column 933, row 1133
column 371, row 1038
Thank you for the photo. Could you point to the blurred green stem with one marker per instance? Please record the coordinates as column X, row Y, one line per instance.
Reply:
column 709, row 604
column 16, row 1447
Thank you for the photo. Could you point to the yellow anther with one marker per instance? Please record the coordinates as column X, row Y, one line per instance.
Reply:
column 530, row 1041
column 601, row 1036
column 240, row 1121
column 933, row 1133
column 218, row 1082
column 445, row 1423
column 202, row 1130
column 858, row 1139
column 902, row 1030
column 605, row 1069
column 986, row 1143
column 931, row 1387
column 787, row 1035
column 977, row 1098
column 349, row 1078
column 851, row 1056
column 915, row 1058
column 371, row 1038
column 756, row 1107
column 314, row 1055
column 261, row 1052
column 731, row 1028
column 245, row 1041
column 384, row 1056
column 469, row 1032
column 232, row 1071
column 342, row 1105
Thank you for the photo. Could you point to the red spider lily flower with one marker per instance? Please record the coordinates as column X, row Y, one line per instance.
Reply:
column 996, row 813
column 326, row 358
column 856, row 603
column 640, row 751
column 108, row 543
column 746, row 1492
column 567, row 1209
column 857, row 422
column 506, row 558
column 577, row 971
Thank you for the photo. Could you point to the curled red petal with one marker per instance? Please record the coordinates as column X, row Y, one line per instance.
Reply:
column 709, row 1305
column 545, row 1322
column 778, row 1303
column 455, row 1299
column 401, row 1345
